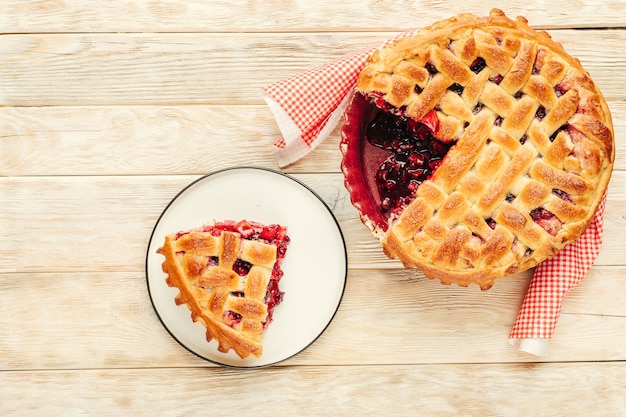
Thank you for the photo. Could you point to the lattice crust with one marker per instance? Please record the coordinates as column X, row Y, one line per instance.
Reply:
column 227, row 298
column 533, row 154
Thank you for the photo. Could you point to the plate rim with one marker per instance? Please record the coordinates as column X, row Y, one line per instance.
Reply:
column 275, row 172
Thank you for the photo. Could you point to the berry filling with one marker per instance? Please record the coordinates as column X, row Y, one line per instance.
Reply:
column 231, row 318
column 478, row 65
column 563, row 195
column 386, row 156
column 271, row 234
column 547, row 220
column 412, row 154
column 241, row 267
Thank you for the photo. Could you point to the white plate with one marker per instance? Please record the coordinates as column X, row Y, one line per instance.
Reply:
column 315, row 266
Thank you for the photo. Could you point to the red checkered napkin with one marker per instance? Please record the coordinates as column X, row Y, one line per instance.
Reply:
column 308, row 106
column 552, row 280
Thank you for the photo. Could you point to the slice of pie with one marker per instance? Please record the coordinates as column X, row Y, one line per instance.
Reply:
column 227, row 274
column 476, row 148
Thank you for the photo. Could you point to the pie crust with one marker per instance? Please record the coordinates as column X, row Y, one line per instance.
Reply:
column 531, row 147
column 227, row 274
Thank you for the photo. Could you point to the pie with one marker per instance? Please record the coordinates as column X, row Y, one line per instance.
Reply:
column 227, row 274
column 476, row 148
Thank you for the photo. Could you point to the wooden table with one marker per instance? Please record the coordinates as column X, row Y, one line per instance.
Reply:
column 111, row 108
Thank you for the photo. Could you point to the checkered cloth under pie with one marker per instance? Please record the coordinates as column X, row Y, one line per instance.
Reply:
column 308, row 106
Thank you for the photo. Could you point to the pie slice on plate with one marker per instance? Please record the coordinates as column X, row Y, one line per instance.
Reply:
column 227, row 274
column 476, row 148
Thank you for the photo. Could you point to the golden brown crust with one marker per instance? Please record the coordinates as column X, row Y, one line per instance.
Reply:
column 207, row 289
column 533, row 149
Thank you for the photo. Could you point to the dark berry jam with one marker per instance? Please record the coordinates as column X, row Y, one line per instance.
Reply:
column 478, row 65
column 273, row 297
column 431, row 68
column 547, row 220
column 562, row 195
column 456, row 88
column 413, row 153
column 231, row 318
column 541, row 113
column 242, row 267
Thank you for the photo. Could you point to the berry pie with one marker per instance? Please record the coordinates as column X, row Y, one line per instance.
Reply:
column 476, row 148
column 227, row 274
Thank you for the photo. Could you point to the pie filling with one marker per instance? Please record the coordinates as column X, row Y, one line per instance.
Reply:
column 274, row 235
column 413, row 154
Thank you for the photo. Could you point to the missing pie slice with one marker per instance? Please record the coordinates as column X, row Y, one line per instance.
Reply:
column 476, row 148
column 227, row 274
